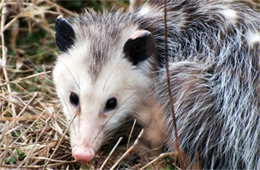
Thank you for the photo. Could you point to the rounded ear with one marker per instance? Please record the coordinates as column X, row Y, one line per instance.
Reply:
column 64, row 35
column 139, row 47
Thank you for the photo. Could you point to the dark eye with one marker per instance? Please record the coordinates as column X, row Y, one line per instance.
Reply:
column 74, row 99
column 110, row 104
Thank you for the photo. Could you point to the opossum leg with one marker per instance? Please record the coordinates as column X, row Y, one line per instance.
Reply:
column 150, row 116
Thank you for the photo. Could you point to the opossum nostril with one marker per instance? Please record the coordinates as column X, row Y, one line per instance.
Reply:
column 83, row 154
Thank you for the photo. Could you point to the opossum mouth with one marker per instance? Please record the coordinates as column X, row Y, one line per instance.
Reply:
column 83, row 154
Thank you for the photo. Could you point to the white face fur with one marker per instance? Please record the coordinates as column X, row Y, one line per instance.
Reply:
column 97, row 106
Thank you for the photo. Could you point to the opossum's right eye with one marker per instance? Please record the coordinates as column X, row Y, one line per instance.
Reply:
column 74, row 99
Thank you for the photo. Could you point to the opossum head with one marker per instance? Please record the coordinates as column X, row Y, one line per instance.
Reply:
column 98, row 79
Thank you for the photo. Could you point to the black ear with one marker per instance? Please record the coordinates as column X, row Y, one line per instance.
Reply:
column 140, row 46
column 65, row 34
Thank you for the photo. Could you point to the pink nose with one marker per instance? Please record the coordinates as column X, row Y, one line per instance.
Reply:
column 82, row 154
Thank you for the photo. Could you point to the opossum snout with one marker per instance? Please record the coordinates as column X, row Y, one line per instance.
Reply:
column 83, row 154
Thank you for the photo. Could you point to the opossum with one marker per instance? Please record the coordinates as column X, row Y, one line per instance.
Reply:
column 112, row 67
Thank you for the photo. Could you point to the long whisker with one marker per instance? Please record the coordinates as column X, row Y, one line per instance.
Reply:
column 62, row 97
column 78, row 86
column 102, row 128
column 108, row 77
column 71, row 75
column 66, row 107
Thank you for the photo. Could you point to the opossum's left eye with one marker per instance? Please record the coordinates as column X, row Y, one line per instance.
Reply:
column 110, row 104
column 74, row 99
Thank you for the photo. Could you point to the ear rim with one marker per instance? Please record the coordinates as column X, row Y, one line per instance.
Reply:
column 137, row 54
column 64, row 35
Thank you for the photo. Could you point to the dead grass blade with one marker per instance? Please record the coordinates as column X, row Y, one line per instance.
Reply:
column 128, row 150
column 163, row 155
column 25, row 78
column 61, row 139
column 180, row 154
column 131, row 133
column 4, row 52
column 23, row 110
column 112, row 151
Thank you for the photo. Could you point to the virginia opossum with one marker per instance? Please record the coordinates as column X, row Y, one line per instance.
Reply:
column 112, row 66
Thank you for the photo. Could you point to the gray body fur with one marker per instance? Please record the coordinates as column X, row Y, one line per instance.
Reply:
column 214, row 67
column 215, row 79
